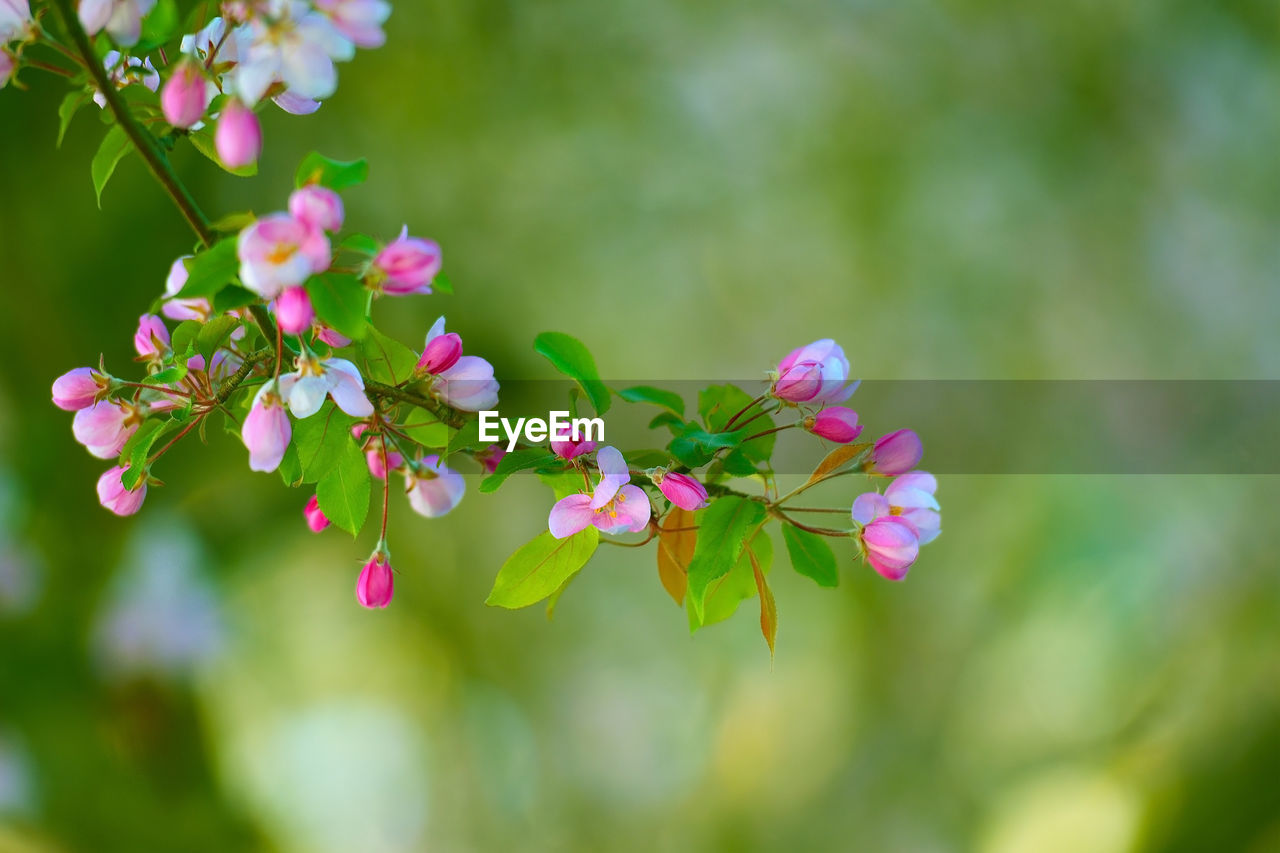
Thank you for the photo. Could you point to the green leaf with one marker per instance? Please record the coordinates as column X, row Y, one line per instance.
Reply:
column 159, row 26
column 168, row 376
column 694, row 446
column 184, row 336
column 361, row 244
column 724, row 526
column 718, row 403
column 541, row 567
column 670, row 420
column 426, row 429
column 67, row 110
column 322, row 440
column 727, row 592
column 811, row 556
column 340, row 301
column 202, row 141
column 657, row 396
column 114, row 146
column 386, row 359
column 466, row 438
column 214, row 334
column 441, row 283
column 334, row 174
column 562, row 483
column 232, row 296
column 211, row 270
column 141, row 449
column 646, row 458
column 517, row 460
column 233, row 222
column 570, row 357
column 343, row 493
column 290, row 468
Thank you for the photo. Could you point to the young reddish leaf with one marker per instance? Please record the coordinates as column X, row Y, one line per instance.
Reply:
column 677, row 541
column 768, row 609
column 723, row 528
column 835, row 460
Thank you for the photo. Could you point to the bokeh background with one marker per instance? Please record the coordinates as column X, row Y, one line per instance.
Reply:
column 968, row 189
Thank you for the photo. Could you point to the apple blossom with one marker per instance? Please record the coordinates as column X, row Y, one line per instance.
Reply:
column 890, row 544
column 433, row 488
column 814, row 374
column 293, row 310
column 78, row 389
column 306, row 388
column 127, row 71
column 316, row 519
column 114, row 496
column 104, row 427
column 266, row 431
column 151, row 340
column 238, row 138
column 490, row 456
column 184, row 98
column 377, row 582
column 278, row 251
column 835, row 423
column 895, row 453
column 122, row 19
column 332, row 337
column 572, row 449
column 373, row 452
column 317, row 206
column 911, row 496
column 681, row 489
column 406, row 265
column 15, row 20
column 6, row 67
column 466, row 381
column 359, row 20
column 615, row 506
column 296, row 46
column 441, row 351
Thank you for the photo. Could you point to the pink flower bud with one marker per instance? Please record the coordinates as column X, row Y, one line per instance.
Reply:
column 78, row 389
column 373, row 457
column 332, row 338
column 239, row 136
column 114, row 496
column 278, row 251
column 6, row 67
column 407, row 265
column 177, row 277
column 152, row 338
column 837, row 423
column 317, row 206
column 815, row 374
column 185, row 96
column 891, row 545
column 490, row 457
column 441, row 353
column 104, row 427
column 377, row 582
column 572, row 449
column 293, row 311
column 315, row 518
column 896, row 453
column 682, row 490
column 266, row 431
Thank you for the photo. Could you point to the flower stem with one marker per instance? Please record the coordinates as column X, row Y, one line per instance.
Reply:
column 820, row 531
column 767, row 432
column 386, row 486
column 728, row 426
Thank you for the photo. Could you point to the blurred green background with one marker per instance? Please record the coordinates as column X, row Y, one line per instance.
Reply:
column 977, row 189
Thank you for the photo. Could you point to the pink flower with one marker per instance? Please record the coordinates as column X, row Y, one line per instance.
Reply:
column 78, row 389
column 315, row 518
column 615, row 506
column 359, row 20
column 197, row 308
column 433, row 488
column 15, row 21
column 104, row 427
column 306, row 388
column 6, row 67
column 373, row 453
column 152, row 338
column 891, row 545
column 836, row 423
column 184, row 96
column 238, row 137
column 490, row 457
column 277, row 252
column 121, row 18
column 331, row 337
column 318, row 207
column 572, row 449
column 293, row 310
column 896, row 453
column 294, row 45
column 441, row 351
column 468, row 385
column 377, row 582
column 266, row 430
column 814, row 374
column 911, row 496
column 114, row 496
column 681, row 489
column 406, row 265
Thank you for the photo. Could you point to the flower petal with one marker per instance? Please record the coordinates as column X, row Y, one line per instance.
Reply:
column 570, row 515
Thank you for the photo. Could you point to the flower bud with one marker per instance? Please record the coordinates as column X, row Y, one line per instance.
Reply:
column 317, row 206
column 152, row 338
column 572, row 449
column 239, row 136
column 891, row 545
column 104, row 427
column 332, row 338
column 266, row 431
column 177, row 277
column 114, row 496
column 896, row 453
column 799, row 384
column 15, row 21
column 432, row 487
column 836, row 423
column 815, row 374
column 406, row 265
column 6, row 67
column 682, row 490
column 373, row 458
column 441, row 353
column 293, row 311
column 377, row 582
column 490, row 457
column 185, row 96
column 78, row 389
column 316, row 519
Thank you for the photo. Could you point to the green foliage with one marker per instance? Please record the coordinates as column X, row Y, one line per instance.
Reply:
column 213, row 335
column 159, row 26
column 694, row 446
column 811, row 556
column 569, row 356
column 541, row 567
column 202, row 141
column 723, row 528
column 334, row 174
column 386, row 359
column 441, row 283
column 322, row 440
column 718, row 403
column 211, row 270
column 343, row 492
column 340, row 302
column 67, row 110
column 726, row 592
column 426, row 429
column 233, row 296
column 114, row 146
column 669, row 400
column 518, row 460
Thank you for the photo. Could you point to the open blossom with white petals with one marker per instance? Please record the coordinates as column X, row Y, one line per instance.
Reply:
column 615, row 506
column 297, row 47
column 305, row 389
column 359, row 20
column 122, row 19
column 434, row 489
column 6, row 66
column 464, row 382
column 127, row 72
column 278, row 251
column 15, row 20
